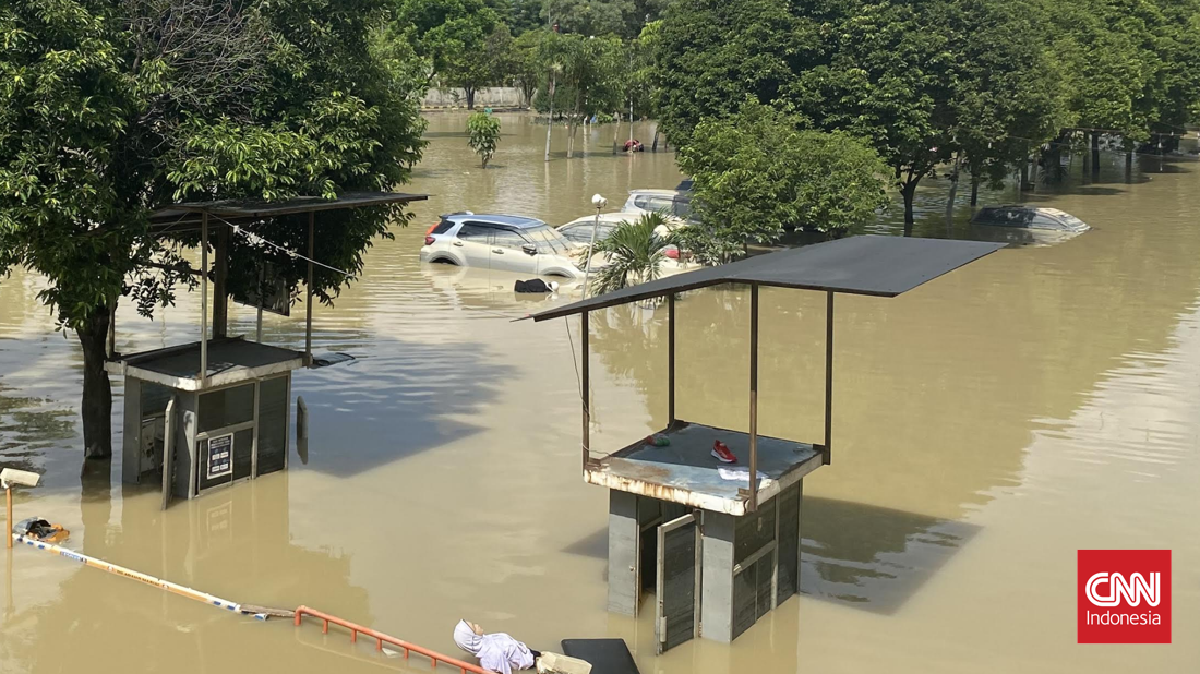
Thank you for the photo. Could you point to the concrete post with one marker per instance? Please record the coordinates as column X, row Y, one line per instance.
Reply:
column 716, row 599
column 131, row 430
column 623, row 557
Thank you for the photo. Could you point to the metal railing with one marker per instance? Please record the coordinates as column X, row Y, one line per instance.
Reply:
column 380, row 638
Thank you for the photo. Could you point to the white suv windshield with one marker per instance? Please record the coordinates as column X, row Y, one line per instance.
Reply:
column 547, row 239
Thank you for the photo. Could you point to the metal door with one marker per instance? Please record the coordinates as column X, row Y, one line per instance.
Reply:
column 508, row 252
column 473, row 244
column 677, row 613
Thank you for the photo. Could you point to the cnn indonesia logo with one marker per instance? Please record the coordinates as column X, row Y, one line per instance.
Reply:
column 1124, row 596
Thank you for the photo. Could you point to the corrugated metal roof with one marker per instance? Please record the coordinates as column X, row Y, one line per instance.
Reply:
column 882, row 266
column 257, row 210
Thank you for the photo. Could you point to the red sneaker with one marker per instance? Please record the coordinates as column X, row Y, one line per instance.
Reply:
column 721, row 451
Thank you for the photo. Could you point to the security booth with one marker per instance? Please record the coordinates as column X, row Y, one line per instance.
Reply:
column 720, row 544
column 215, row 411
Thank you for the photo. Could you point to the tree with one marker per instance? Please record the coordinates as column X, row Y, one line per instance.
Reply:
column 484, row 131
column 756, row 173
column 591, row 68
column 453, row 35
column 635, row 252
column 710, row 54
column 527, row 68
column 110, row 110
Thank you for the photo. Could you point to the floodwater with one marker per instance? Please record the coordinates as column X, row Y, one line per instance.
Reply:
column 986, row 427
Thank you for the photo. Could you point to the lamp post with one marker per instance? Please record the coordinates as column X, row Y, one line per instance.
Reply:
column 9, row 477
column 599, row 202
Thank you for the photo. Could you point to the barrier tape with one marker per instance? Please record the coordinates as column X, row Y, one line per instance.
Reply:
column 124, row 572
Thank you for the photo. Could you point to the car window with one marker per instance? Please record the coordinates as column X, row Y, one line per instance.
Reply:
column 1041, row 221
column 682, row 208
column 641, row 201
column 662, row 204
column 577, row 233
column 507, row 238
column 474, row 232
column 547, row 239
column 443, row 226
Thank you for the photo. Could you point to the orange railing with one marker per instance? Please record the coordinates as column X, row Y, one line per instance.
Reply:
column 380, row 638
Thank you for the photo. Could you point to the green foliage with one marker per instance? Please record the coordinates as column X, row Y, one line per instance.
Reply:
column 110, row 110
column 634, row 251
column 484, row 130
column 624, row 18
column 452, row 35
column 756, row 173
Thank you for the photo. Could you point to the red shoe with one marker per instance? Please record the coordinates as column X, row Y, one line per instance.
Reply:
column 721, row 451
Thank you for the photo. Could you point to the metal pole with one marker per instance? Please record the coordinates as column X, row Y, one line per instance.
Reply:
column 203, row 299
column 587, row 270
column 671, row 360
column 261, row 292
column 828, row 373
column 308, row 319
column 587, row 408
column 8, row 513
column 753, row 398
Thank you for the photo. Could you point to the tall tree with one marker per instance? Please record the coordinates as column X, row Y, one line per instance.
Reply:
column 453, row 35
column 758, row 173
column 110, row 110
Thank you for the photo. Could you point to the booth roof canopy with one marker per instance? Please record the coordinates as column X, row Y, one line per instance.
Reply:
column 883, row 266
column 257, row 209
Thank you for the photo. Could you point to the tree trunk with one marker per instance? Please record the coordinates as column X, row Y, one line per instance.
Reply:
column 97, row 394
column 974, row 190
column 470, row 91
column 1095, row 155
column 617, row 129
column 954, row 173
column 1023, row 176
column 572, row 127
column 550, row 124
column 1084, row 168
column 1128, row 164
column 909, row 190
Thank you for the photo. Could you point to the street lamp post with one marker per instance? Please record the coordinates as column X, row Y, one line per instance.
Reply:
column 599, row 202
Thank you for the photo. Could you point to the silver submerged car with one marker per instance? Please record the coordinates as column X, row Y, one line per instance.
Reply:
column 506, row 242
column 1025, row 225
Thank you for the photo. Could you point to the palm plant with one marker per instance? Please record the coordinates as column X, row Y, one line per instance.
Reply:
column 635, row 253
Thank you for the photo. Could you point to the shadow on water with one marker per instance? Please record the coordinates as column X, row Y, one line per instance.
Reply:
column 870, row 557
column 401, row 399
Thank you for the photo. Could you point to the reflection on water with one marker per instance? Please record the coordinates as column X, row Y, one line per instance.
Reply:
column 986, row 426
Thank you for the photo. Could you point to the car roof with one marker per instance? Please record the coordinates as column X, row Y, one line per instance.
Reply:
column 607, row 218
column 517, row 221
column 663, row 193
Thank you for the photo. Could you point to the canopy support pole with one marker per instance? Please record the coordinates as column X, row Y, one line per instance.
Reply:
column 828, row 373
column 308, row 318
column 587, row 408
column 753, row 505
column 670, row 360
column 203, row 299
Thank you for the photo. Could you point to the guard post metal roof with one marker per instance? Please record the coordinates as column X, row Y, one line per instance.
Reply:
column 235, row 211
column 881, row 266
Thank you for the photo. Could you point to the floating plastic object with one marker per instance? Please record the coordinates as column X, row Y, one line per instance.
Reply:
column 658, row 440
column 40, row 530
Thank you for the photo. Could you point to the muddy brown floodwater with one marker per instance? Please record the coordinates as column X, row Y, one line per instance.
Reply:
column 986, row 427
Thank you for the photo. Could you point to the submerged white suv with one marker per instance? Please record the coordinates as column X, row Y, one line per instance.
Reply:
column 507, row 242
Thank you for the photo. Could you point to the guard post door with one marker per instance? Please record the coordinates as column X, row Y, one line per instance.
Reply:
column 677, row 614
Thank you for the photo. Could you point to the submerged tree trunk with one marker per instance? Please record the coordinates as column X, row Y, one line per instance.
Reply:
column 974, row 190
column 1128, row 162
column 572, row 127
column 1085, row 160
column 617, row 129
column 954, row 173
column 97, row 394
column 908, row 190
column 470, row 91
column 550, row 123
column 1095, row 154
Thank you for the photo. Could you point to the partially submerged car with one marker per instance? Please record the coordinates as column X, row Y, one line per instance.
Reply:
column 669, row 202
column 1023, row 225
column 507, row 242
column 579, row 232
